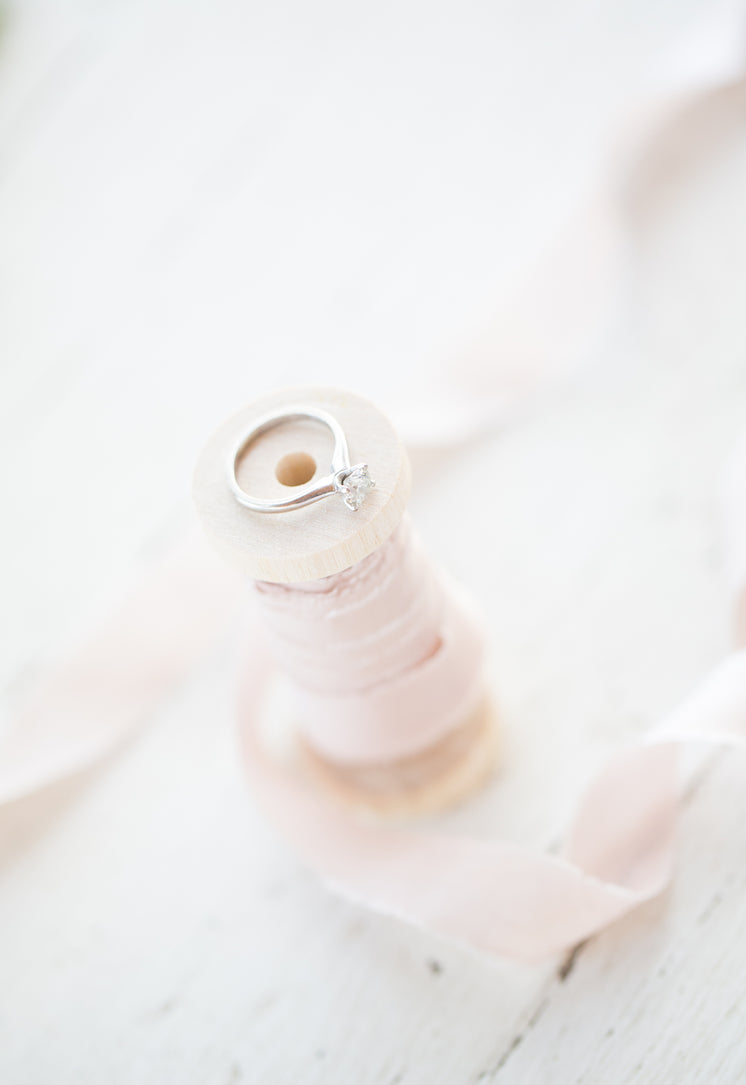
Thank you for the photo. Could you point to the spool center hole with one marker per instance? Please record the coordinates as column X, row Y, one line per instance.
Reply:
column 295, row 469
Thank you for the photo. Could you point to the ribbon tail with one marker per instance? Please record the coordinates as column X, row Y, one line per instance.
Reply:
column 113, row 682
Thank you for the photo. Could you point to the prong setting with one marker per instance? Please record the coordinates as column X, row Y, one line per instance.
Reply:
column 354, row 484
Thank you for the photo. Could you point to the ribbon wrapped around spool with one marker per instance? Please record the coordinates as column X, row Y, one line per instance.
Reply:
column 385, row 657
column 487, row 893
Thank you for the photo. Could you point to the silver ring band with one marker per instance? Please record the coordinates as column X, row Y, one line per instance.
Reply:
column 352, row 482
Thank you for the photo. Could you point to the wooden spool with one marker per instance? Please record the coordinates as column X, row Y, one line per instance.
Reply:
column 322, row 539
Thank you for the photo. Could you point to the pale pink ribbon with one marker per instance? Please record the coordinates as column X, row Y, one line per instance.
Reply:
column 490, row 894
column 486, row 893
column 384, row 658
column 97, row 696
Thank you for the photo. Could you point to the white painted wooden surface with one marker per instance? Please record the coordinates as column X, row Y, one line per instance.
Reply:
column 197, row 202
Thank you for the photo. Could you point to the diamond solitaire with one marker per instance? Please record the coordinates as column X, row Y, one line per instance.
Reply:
column 354, row 485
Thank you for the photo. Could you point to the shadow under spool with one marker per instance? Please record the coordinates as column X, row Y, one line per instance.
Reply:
column 319, row 541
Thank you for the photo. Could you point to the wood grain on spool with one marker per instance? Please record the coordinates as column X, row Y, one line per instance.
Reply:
column 322, row 539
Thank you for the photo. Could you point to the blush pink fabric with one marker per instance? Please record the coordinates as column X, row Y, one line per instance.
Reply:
column 114, row 680
column 488, row 894
column 384, row 658
column 485, row 893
